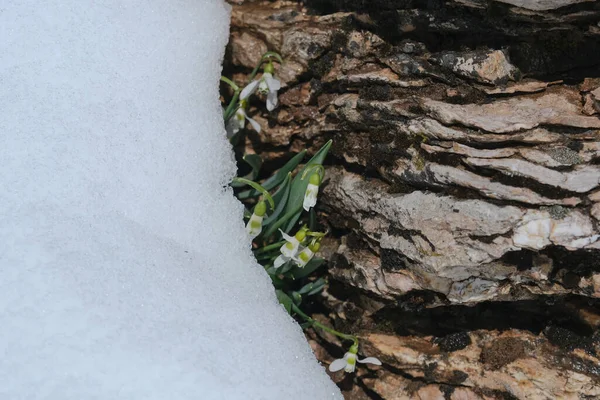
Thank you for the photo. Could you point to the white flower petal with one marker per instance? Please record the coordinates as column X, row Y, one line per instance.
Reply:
column 309, row 201
column 263, row 88
column 310, row 196
column 338, row 365
column 279, row 261
column 273, row 84
column 254, row 124
column 249, row 90
column 305, row 253
column 252, row 230
column 286, row 236
column 271, row 101
column 370, row 360
column 290, row 252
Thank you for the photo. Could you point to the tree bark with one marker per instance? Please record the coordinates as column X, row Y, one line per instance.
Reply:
column 462, row 194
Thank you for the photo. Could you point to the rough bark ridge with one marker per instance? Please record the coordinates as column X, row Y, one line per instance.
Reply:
column 464, row 193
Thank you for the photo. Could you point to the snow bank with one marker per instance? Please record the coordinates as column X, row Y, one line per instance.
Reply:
column 125, row 271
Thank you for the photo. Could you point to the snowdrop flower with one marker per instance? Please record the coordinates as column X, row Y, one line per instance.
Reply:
column 306, row 254
column 267, row 85
column 254, row 225
column 348, row 362
column 238, row 121
column 290, row 248
column 310, row 196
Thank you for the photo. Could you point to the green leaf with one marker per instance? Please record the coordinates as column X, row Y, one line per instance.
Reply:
column 317, row 287
column 277, row 283
column 276, row 225
column 286, row 267
column 255, row 162
column 308, row 269
column 305, row 325
column 284, row 300
column 280, row 198
column 296, row 298
column 293, row 221
column 306, row 288
column 275, row 179
column 299, row 185
column 266, row 256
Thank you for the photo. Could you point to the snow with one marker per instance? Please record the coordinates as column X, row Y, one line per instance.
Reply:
column 125, row 270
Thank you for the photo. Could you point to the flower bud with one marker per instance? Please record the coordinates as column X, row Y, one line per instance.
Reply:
column 260, row 209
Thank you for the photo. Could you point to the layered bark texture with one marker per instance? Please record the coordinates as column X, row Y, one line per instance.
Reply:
column 463, row 195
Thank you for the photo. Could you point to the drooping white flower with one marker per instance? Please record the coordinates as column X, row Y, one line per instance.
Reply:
column 249, row 90
column 238, row 121
column 280, row 260
column 269, row 86
column 306, row 254
column 254, row 225
column 290, row 248
column 312, row 190
column 348, row 362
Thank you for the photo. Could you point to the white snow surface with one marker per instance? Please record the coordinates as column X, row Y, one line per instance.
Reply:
column 125, row 270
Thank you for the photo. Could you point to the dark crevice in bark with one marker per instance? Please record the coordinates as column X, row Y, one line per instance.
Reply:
column 530, row 315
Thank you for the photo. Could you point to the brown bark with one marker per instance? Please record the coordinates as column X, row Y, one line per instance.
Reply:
column 463, row 194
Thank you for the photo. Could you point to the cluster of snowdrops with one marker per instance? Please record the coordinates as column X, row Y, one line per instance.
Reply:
column 281, row 221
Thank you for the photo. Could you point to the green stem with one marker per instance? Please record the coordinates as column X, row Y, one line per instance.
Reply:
column 230, row 83
column 323, row 327
column 232, row 107
column 269, row 247
column 258, row 187
column 264, row 58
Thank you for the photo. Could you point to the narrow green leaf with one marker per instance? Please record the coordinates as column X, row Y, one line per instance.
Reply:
column 254, row 161
column 270, row 247
column 306, row 288
column 284, row 300
column 293, row 221
column 280, row 198
column 308, row 269
column 317, row 287
column 286, row 267
column 277, row 224
column 299, row 185
column 296, row 298
column 275, row 179
column 277, row 283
